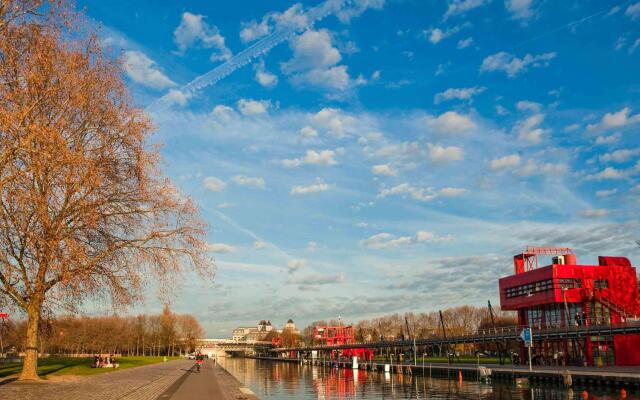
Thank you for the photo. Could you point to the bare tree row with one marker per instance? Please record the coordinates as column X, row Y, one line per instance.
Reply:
column 463, row 320
column 160, row 334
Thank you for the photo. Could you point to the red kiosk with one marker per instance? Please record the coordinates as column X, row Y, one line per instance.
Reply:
column 568, row 294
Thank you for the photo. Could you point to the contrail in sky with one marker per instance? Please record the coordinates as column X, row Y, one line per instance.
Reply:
column 572, row 23
column 257, row 49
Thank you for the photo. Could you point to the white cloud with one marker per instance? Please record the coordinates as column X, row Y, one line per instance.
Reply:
column 519, row 9
column 634, row 46
column 323, row 157
column 293, row 17
column 513, row 65
column 223, row 113
column 617, row 119
column 500, row 110
column 213, row 184
column 571, row 128
column 384, row 169
column 317, row 279
column 259, row 245
column 621, row 42
column 460, row 94
column 608, row 173
column 143, row 70
column 226, row 205
column 253, row 30
column 602, row 140
column 328, row 78
column 220, row 248
column 594, row 213
column 633, row 11
column 357, row 7
column 386, row 240
column 464, row 43
column 294, row 265
column 533, row 167
column 250, row 107
column 249, row 181
column 461, row 6
column 436, row 35
column 333, row 121
column 606, row 193
column 452, row 192
column 194, row 31
column 315, row 60
column 264, row 77
column 420, row 194
column 442, row 68
column 525, row 105
column 451, row 123
column 312, row 246
column 318, row 186
column 529, row 129
column 506, row 162
column 619, row 156
column 438, row 154
column 400, row 150
column 308, row 132
column 614, row 10
column 178, row 97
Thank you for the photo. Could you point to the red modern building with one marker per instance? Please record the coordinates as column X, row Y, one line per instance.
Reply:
column 339, row 335
column 567, row 294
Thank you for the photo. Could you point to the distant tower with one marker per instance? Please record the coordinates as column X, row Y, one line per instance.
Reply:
column 290, row 325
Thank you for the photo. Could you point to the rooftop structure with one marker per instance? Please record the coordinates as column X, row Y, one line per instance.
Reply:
column 567, row 294
column 252, row 333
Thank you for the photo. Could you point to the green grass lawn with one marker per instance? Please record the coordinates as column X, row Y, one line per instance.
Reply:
column 78, row 366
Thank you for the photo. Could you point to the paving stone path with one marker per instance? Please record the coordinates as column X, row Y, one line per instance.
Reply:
column 142, row 383
column 211, row 383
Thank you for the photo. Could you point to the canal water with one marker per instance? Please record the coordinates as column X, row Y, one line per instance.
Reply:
column 284, row 381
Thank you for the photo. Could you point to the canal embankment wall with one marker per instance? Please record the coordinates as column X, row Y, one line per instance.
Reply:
column 568, row 376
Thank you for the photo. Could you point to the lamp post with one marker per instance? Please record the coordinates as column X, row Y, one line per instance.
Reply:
column 415, row 350
column 424, row 356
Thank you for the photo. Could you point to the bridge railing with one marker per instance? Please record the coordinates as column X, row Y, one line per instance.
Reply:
column 490, row 335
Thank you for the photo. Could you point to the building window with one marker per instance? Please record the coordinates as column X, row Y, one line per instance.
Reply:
column 529, row 289
column 601, row 283
column 534, row 316
column 569, row 283
column 553, row 315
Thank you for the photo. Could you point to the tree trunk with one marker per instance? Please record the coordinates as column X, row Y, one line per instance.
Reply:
column 30, row 365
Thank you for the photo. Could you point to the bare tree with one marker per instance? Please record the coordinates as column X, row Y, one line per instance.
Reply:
column 84, row 209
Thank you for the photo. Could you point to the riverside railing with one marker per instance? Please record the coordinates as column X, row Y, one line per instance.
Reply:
column 489, row 335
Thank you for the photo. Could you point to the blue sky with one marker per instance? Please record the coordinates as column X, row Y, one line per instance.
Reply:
column 393, row 155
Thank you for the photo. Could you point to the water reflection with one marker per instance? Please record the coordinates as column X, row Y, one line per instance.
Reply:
column 278, row 380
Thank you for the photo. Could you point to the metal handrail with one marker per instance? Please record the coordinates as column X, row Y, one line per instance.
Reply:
column 489, row 334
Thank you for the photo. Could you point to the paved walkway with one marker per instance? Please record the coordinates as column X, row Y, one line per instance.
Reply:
column 212, row 382
column 142, row 383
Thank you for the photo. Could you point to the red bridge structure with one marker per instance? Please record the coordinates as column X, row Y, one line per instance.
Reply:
column 339, row 336
column 565, row 294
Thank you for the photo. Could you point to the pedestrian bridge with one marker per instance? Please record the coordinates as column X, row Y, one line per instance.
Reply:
column 225, row 347
column 489, row 335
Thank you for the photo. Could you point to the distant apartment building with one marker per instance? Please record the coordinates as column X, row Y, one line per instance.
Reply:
column 252, row 334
